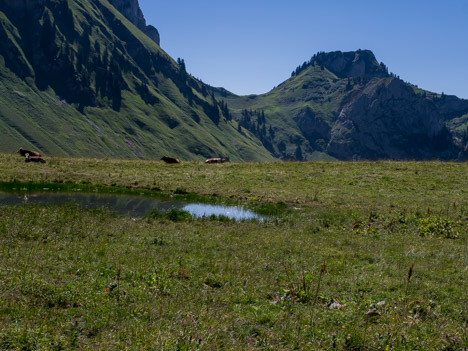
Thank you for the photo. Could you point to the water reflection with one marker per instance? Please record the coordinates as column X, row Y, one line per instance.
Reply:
column 134, row 206
column 203, row 210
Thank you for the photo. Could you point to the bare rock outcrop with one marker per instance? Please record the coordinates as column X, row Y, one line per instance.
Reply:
column 132, row 11
column 360, row 63
column 387, row 120
column 314, row 128
column 450, row 106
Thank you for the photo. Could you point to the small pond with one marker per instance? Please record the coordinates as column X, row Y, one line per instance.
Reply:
column 134, row 206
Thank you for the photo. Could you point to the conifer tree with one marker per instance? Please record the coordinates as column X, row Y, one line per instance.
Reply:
column 298, row 153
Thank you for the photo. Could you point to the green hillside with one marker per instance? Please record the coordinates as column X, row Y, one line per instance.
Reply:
column 77, row 78
column 313, row 89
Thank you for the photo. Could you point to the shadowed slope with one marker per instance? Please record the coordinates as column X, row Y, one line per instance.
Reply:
column 77, row 78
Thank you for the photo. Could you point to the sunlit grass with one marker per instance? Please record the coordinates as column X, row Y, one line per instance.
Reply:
column 332, row 271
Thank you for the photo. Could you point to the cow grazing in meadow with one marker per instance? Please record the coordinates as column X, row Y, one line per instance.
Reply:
column 34, row 158
column 169, row 159
column 216, row 160
column 23, row 152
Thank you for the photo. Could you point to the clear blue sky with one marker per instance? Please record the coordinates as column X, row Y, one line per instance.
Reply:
column 250, row 46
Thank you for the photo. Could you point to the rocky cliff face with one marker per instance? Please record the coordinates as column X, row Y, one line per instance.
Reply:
column 360, row 63
column 132, row 11
column 451, row 106
column 314, row 128
column 386, row 119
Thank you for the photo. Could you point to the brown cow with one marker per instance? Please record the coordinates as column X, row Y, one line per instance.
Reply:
column 169, row 159
column 216, row 160
column 23, row 152
column 34, row 159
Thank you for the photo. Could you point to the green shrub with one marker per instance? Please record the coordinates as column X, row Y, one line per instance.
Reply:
column 437, row 227
column 177, row 215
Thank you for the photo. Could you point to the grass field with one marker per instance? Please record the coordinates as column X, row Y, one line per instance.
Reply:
column 355, row 256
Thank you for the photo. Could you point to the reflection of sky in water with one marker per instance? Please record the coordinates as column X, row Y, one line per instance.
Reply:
column 203, row 210
column 135, row 206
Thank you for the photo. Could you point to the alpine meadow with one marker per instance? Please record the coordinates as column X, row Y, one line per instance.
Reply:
column 358, row 180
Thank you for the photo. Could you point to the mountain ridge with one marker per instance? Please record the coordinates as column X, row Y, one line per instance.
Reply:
column 82, row 77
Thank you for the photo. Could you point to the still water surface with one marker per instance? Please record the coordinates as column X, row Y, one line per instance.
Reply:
column 134, row 206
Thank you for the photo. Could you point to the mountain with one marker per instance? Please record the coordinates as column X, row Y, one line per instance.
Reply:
column 348, row 106
column 79, row 78
column 89, row 78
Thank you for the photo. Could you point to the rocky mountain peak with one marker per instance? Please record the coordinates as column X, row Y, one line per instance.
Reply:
column 132, row 11
column 360, row 63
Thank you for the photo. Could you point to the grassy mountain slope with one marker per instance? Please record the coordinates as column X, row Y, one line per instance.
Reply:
column 77, row 78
